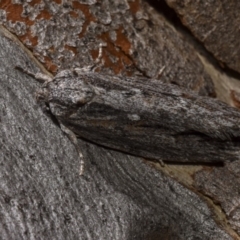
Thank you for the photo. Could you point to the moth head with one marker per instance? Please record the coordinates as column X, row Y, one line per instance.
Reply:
column 68, row 96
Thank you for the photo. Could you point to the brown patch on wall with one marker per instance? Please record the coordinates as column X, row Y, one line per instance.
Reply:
column 50, row 65
column 14, row 12
column 134, row 6
column 44, row 14
column 123, row 56
column 88, row 16
column 73, row 49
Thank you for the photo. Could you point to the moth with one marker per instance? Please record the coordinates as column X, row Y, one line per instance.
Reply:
column 142, row 117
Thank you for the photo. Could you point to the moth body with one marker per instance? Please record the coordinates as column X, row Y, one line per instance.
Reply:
column 145, row 117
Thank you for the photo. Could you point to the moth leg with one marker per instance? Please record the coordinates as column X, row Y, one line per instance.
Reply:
column 73, row 139
column 161, row 163
column 40, row 77
column 92, row 67
column 160, row 72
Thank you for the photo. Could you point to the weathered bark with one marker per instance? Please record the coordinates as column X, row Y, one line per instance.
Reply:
column 119, row 196
column 215, row 24
column 139, row 41
column 42, row 195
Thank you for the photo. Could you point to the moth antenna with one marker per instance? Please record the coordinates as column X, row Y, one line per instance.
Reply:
column 40, row 77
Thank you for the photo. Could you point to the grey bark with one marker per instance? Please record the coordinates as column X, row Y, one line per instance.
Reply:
column 119, row 197
column 43, row 197
column 215, row 24
column 138, row 39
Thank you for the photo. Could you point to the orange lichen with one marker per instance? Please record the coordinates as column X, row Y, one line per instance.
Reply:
column 73, row 14
column 134, row 6
column 44, row 14
column 33, row 40
column 122, row 41
column 34, row 2
column 123, row 56
column 58, row 1
column 119, row 49
column 50, row 66
column 14, row 12
column 73, row 49
column 28, row 36
column 88, row 16
column 84, row 9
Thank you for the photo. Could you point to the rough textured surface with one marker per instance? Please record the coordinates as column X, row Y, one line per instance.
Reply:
column 222, row 185
column 144, row 117
column 42, row 195
column 216, row 24
column 139, row 40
